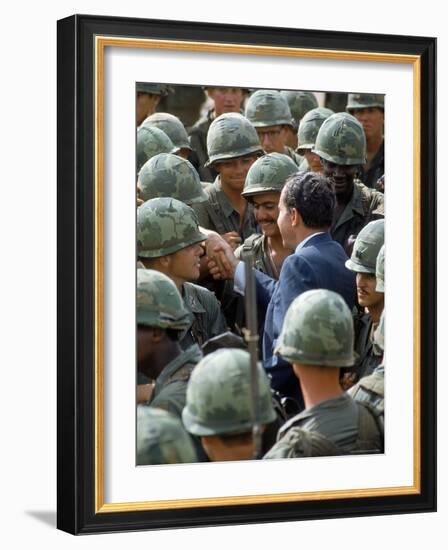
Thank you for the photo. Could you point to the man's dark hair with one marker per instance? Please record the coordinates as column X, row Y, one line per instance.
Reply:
column 312, row 195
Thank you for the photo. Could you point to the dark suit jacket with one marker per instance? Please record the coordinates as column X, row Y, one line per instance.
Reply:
column 319, row 264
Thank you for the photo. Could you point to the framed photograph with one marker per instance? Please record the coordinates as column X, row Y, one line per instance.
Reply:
column 100, row 62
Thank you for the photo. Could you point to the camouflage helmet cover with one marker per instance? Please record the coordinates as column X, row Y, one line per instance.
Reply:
column 299, row 103
column 363, row 101
column 150, row 142
column 341, row 140
column 219, row 395
column 380, row 270
column 318, row 330
column 172, row 127
column 159, row 303
column 161, row 438
column 165, row 226
column 230, row 136
column 366, row 248
column 309, row 127
column 268, row 174
column 167, row 175
column 268, row 108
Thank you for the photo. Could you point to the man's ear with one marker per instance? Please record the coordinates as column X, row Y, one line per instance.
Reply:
column 296, row 218
column 157, row 334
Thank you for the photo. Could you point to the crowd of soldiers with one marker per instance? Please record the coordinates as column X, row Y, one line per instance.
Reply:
column 260, row 276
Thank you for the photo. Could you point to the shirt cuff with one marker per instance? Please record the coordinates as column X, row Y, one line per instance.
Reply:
column 239, row 281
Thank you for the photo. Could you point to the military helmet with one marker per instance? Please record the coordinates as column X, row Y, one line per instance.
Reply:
column 299, row 103
column 318, row 330
column 167, row 175
column 362, row 101
column 152, row 88
column 161, row 438
column 150, row 142
column 366, row 248
column 230, row 136
column 268, row 108
column 309, row 127
column 164, row 226
column 219, row 398
column 159, row 303
column 172, row 127
column 341, row 140
column 380, row 270
column 268, row 173
column 378, row 336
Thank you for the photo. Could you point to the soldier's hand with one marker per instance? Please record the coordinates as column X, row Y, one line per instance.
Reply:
column 233, row 239
column 223, row 263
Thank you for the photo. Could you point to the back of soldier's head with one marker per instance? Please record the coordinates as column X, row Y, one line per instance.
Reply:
column 318, row 330
column 366, row 248
column 161, row 438
column 219, row 394
column 312, row 196
column 299, row 103
column 172, row 127
column 167, row 175
column 165, row 226
column 150, row 142
column 309, row 128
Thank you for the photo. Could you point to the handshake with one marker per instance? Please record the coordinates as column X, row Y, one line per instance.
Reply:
column 222, row 261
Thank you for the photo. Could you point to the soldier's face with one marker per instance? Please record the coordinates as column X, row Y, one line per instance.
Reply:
column 266, row 212
column 372, row 120
column 233, row 172
column 184, row 265
column 227, row 100
column 341, row 177
column 365, row 288
column 313, row 161
column 273, row 138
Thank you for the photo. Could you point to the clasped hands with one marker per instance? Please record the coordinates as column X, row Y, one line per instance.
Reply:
column 222, row 261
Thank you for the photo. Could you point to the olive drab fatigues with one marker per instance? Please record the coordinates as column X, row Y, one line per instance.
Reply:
column 295, row 157
column 348, row 425
column 262, row 259
column 367, row 360
column 364, row 206
column 370, row 389
column 219, row 215
column 376, row 169
column 198, row 142
column 208, row 318
column 171, row 385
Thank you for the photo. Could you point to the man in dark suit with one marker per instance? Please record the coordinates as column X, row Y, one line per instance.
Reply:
column 306, row 207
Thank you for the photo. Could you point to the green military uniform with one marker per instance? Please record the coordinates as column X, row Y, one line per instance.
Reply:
column 171, row 385
column 219, row 215
column 165, row 226
column 208, row 319
column 198, row 142
column 161, row 438
column 262, row 257
column 295, row 157
column 318, row 330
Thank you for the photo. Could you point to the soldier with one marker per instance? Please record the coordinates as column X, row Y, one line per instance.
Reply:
column 169, row 241
column 161, row 438
column 219, row 406
column 368, row 109
column 226, row 100
column 341, row 145
column 269, row 113
column 150, row 142
column 174, row 129
column 167, row 175
column 264, row 182
column 233, row 147
column 306, row 137
column 317, row 339
column 363, row 263
column 148, row 96
column 184, row 102
column 162, row 319
column 299, row 104
column 370, row 389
